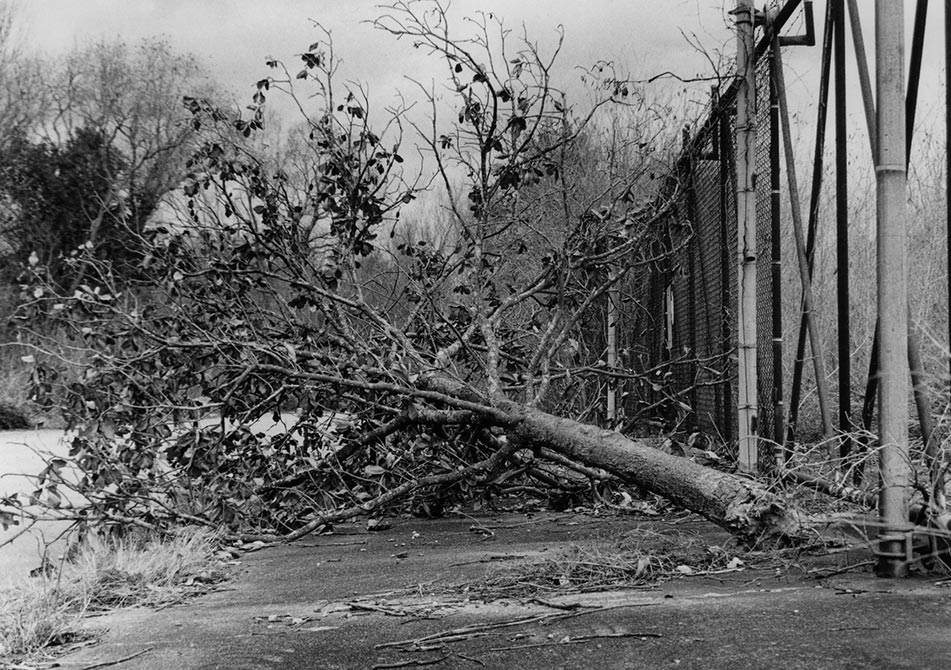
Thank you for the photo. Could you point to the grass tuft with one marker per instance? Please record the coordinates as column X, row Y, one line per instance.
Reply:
column 37, row 614
column 42, row 613
column 151, row 571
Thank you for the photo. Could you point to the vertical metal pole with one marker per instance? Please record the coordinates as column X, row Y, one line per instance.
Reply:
column 865, row 81
column 724, row 152
column 918, row 381
column 746, row 235
column 914, row 72
column 815, row 341
column 892, row 291
column 779, row 428
column 611, row 409
column 947, row 152
column 817, row 162
column 919, row 384
column 868, row 104
column 842, row 232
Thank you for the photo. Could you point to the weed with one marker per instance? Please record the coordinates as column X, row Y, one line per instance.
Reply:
column 41, row 614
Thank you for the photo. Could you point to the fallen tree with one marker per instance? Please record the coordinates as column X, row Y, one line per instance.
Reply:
column 745, row 507
column 438, row 362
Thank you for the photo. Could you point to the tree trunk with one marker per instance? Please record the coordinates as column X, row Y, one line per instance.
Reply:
column 743, row 506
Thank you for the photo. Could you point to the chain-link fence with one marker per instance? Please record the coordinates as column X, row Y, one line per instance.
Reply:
column 685, row 329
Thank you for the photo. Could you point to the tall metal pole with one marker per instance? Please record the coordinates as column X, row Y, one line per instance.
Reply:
column 864, row 80
column 947, row 138
column 613, row 297
column 918, row 380
column 937, row 477
column 746, row 235
column 842, row 233
column 776, row 278
column 890, row 175
column 817, row 162
column 808, row 304
column 726, row 317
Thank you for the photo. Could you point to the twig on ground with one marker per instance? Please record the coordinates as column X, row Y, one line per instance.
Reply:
column 389, row 611
column 568, row 607
column 466, row 632
column 575, row 640
column 822, row 573
column 494, row 558
column 412, row 663
column 106, row 664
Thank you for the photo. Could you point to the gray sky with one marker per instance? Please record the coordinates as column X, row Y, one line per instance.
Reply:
column 233, row 38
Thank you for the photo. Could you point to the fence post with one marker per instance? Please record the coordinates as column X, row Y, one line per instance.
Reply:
column 611, row 401
column 890, row 173
column 746, row 236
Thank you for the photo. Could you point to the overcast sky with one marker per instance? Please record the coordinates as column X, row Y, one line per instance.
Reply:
column 645, row 37
column 234, row 36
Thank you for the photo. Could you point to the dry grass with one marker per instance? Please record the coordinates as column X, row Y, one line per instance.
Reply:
column 42, row 613
column 36, row 615
column 637, row 558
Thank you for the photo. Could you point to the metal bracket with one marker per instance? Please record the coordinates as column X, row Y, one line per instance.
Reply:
column 916, row 546
column 907, row 539
column 809, row 38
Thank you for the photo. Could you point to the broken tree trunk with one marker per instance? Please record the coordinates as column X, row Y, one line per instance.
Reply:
column 742, row 506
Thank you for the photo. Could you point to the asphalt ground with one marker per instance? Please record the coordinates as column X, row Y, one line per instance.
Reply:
column 414, row 596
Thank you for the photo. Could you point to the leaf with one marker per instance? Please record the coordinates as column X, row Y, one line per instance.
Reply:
column 735, row 563
column 301, row 75
column 7, row 519
column 458, row 67
column 53, row 498
column 374, row 471
column 291, row 351
column 517, row 124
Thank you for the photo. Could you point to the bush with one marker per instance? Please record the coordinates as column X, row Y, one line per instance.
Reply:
column 13, row 418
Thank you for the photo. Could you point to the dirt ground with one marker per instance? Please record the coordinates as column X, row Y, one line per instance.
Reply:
column 413, row 596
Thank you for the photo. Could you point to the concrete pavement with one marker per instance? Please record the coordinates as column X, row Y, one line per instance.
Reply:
column 410, row 596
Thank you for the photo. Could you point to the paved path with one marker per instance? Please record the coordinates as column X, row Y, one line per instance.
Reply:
column 21, row 453
column 345, row 600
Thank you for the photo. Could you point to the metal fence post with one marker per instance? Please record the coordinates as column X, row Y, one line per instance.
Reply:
column 746, row 236
column 890, row 175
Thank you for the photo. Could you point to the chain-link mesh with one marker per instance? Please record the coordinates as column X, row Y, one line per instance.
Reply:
column 690, row 319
